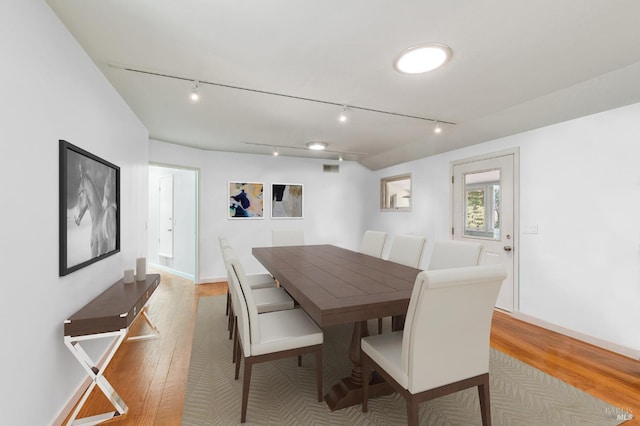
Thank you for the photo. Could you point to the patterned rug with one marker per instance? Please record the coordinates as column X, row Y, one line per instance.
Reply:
column 284, row 394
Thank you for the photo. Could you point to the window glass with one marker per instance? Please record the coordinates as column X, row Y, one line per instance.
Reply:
column 482, row 204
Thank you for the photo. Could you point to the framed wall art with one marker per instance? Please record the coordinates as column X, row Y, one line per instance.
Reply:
column 89, row 208
column 246, row 200
column 286, row 201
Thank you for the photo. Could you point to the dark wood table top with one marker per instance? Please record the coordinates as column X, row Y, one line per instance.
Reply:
column 114, row 309
column 336, row 286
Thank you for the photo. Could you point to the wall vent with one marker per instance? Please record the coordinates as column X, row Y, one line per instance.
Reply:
column 331, row 168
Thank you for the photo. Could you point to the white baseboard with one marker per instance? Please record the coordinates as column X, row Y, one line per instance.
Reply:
column 610, row 346
column 172, row 271
column 212, row 280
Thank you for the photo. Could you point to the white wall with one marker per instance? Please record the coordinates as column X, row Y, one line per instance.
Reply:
column 580, row 183
column 183, row 262
column 51, row 90
column 333, row 202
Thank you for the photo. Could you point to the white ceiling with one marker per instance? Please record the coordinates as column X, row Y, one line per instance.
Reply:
column 516, row 65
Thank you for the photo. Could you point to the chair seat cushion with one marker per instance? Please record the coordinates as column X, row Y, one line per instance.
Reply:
column 271, row 299
column 386, row 350
column 283, row 330
column 261, row 281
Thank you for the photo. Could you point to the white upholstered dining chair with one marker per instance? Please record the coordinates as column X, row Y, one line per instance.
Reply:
column 406, row 250
column 372, row 243
column 267, row 299
column 287, row 237
column 454, row 254
column 269, row 336
column 444, row 347
column 254, row 280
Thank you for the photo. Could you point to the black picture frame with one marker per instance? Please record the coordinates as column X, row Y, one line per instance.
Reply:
column 89, row 208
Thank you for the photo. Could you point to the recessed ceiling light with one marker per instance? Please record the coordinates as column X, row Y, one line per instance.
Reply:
column 422, row 58
column 316, row 145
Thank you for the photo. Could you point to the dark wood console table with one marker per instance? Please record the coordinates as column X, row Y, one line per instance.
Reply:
column 110, row 314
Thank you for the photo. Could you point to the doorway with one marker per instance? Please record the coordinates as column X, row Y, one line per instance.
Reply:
column 173, row 220
column 485, row 210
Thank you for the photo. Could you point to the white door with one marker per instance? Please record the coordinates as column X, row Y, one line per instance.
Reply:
column 484, row 210
column 165, row 221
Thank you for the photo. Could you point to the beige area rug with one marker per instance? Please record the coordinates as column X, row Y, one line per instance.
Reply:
column 284, row 394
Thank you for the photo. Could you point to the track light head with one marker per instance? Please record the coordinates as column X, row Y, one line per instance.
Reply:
column 343, row 115
column 194, row 91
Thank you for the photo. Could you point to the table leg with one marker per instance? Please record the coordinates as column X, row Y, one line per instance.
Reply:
column 348, row 391
column 97, row 378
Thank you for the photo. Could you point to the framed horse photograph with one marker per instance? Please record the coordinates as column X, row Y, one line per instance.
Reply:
column 89, row 208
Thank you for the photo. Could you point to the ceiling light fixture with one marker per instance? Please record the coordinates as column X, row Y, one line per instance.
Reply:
column 275, row 151
column 437, row 129
column 317, row 145
column 194, row 91
column 340, row 157
column 422, row 58
column 343, row 115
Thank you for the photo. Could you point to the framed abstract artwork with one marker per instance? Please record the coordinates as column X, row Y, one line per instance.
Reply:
column 246, row 200
column 286, row 201
column 89, row 208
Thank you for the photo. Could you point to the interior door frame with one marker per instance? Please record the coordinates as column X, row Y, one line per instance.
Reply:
column 515, row 152
column 196, row 274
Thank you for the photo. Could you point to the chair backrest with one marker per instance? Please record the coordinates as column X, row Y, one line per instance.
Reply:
column 288, row 237
column 240, row 308
column 372, row 243
column 249, row 302
column 448, row 325
column 407, row 249
column 222, row 240
column 454, row 254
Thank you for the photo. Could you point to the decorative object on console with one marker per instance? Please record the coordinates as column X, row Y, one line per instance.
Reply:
column 128, row 276
column 141, row 269
column 246, row 200
column 87, row 184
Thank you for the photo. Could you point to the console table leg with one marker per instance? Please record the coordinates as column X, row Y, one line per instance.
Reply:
column 96, row 375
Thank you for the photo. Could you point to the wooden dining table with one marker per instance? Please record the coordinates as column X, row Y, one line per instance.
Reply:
column 338, row 286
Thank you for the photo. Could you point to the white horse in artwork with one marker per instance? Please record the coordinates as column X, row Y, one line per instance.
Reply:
column 102, row 212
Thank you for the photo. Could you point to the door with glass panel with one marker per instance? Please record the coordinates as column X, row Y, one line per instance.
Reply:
column 484, row 211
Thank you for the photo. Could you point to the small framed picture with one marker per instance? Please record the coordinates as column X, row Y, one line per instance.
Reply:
column 246, row 200
column 286, row 201
column 89, row 208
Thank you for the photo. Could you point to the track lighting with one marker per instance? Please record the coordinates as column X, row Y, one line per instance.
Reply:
column 194, row 91
column 340, row 157
column 275, row 151
column 437, row 129
column 343, row 115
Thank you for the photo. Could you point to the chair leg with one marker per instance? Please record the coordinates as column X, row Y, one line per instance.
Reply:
column 412, row 411
column 246, row 382
column 364, row 368
column 232, row 323
column 226, row 312
column 235, row 342
column 299, row 360
column 379, row 325
column 319, row 373
column 485, row 402
column 238, row 358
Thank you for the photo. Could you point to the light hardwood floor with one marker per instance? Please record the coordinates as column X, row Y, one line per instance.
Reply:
column 151, row 375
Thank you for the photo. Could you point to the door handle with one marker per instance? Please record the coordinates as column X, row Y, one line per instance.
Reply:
column 508, row 248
